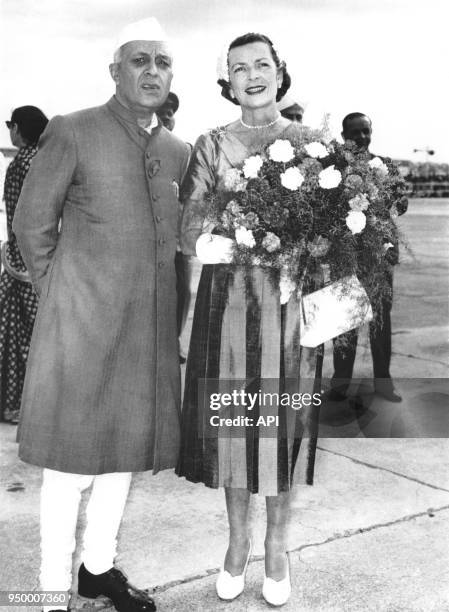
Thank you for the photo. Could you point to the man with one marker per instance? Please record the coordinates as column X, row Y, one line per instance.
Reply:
column 357, row 128
column 290, row 109
column 97, row 226
column 166, row 112
column 183, row 263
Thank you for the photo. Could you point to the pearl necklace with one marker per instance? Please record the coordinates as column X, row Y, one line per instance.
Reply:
column 260, row 127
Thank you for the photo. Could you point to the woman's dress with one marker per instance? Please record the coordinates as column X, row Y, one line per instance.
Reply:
column 18, row 301
column 242, row 339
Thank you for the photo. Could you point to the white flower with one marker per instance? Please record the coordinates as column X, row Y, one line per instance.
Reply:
column 373, row 192
column 250, row 220
column 359, row 202
column 329, row 178
column 377, row 164
column 353, row 181
column 233, row 180
column 286, row 286
column 394, row 212
column 281, row 151
column 245, row 237
column 252, row 166
column 349, row 157
column 233, row 207
column 356, row 221
column 316, row 149
column 319, row 246
column 292, row 178
column 271, row 242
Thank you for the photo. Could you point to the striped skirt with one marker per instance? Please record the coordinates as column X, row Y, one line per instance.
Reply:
column 244, row 424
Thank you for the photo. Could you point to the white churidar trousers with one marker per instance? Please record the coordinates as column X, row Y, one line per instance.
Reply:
column 60, row 499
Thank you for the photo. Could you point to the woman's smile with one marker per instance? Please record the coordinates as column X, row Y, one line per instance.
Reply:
column 255, row 89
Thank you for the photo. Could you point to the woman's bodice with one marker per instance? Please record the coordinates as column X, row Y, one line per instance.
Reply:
column 214, row 154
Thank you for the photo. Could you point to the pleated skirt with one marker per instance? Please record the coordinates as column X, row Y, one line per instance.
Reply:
column 245, row 344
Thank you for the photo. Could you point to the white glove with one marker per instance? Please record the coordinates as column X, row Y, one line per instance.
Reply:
column 214, row 249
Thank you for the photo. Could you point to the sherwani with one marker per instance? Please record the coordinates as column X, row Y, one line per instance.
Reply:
column 97, row 227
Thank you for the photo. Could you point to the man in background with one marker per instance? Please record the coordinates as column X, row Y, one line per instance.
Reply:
column 183, row 263
column 357, row 127
column 290, row 109
column 166, row 112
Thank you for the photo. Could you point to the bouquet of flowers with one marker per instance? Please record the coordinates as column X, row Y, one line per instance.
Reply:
column 311, row 210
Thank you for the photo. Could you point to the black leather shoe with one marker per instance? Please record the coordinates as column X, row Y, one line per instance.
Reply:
column 114, row 585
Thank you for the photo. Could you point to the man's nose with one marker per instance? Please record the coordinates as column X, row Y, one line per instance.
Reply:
column 151, row 67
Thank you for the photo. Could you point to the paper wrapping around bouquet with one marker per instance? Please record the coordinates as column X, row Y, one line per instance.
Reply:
column 334, row 310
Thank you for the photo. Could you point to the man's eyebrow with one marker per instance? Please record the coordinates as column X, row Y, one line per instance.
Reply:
column 146, row 54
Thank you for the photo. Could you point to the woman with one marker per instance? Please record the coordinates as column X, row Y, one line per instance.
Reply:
column 18, row 302
column 240, row 331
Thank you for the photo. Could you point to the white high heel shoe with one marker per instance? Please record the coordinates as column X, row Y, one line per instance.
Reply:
column 277, row 592
column 229, row 587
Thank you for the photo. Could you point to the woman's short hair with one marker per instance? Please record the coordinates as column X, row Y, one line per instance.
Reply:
column 30, row 121
column 246, row 39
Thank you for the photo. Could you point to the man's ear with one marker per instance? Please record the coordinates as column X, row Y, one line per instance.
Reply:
column 113, row 71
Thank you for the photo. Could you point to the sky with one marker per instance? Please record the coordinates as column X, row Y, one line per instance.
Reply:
column 386, row 58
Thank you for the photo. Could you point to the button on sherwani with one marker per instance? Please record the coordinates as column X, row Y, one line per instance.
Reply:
column 97, row 227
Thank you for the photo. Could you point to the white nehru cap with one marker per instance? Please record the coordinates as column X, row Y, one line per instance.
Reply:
column 145, row 29
column 288, row 101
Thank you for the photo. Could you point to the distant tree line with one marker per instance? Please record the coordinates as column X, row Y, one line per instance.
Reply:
column 426, row 179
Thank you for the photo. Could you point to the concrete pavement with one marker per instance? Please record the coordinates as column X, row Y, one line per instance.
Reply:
column 371, row 534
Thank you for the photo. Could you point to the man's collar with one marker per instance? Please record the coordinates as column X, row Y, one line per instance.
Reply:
column 118, row 109
column 154, row 123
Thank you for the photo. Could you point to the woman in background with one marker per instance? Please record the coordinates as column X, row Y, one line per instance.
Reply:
column 18, row 302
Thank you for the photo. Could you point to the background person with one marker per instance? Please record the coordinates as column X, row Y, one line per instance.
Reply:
column 290, row 109
column 166, row 112
column 18, row 300
column 102, row 390
column 358, row 128
column 183, row 263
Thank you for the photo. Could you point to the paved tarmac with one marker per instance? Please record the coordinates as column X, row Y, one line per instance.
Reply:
column 373, row 531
